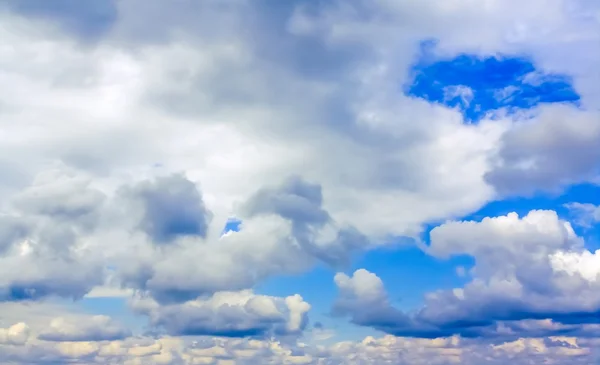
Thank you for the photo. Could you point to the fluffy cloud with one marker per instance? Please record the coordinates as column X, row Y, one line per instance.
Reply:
column 230, row 314
column 526, row 268
column 548, row 153
column 96, row 328
column 370, row 351
column 62, row 194
column 300, row 203
column 284, row 230
column 17, row 334
column 119, row 239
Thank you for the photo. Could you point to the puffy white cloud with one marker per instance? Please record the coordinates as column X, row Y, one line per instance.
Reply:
column 230, row 314
column 370, row 351
column 364, row 289
column 526, row 268
column 537, row 234
column 17, row 334
column 96, row 328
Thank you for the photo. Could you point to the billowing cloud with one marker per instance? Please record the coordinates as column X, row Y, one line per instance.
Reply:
column 171, row 207
column 17, row 334
column 548, row 152
column 96, row 328
column 300, row 203
column 370, row 351
column 526, row 268
column 229, row 314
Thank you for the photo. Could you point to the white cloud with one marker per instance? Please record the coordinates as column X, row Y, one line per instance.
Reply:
column 96, row 328
column 535, row 265
column 585, row 214
column 370, row 351
column 526, row 268
column 549, row 152
column 17, row 334
column 229, row 314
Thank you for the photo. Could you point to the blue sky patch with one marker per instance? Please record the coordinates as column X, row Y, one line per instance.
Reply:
column 232, row 225
column 478, row 85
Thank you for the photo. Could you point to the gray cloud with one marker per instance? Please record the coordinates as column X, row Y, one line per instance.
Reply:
column 549, row 152
column 12, row 229
column 172, row 207
column 301, row 203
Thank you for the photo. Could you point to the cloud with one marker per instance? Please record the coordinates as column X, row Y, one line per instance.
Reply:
column 359, row 136
column 44, row 233
column 99, row 118
column 300, row 203
column 370, row 351
column 172, row 207
column 17, row 334
column 229, row 314
column 12, row 230
column 526, row 268
column 61, row 193
column 96, row 328
column 549, row 152
column 585, row 214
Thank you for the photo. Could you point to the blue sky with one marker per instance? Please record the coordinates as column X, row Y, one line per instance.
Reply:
column 323, row 182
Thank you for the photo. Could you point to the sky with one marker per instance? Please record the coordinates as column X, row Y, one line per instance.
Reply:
column 317, row 182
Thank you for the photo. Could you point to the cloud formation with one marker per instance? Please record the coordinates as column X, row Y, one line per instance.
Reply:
column 369, row 351
column 229, row 314
column 131, row 131
column 94, row 329
column 528, row 268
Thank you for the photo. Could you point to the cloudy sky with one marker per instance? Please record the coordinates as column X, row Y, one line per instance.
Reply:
column 318, row 182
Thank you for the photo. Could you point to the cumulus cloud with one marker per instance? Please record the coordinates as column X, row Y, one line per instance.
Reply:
column 522, row 270
column 370, row 351
column 61, row 193
column 17, row 334
column 96, row 328
column 300, row 203
column 172, row 207
column 549, row 152
column 229, row 314
column 526, row 268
